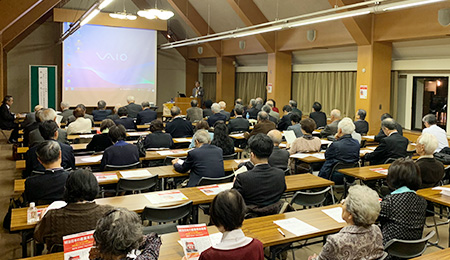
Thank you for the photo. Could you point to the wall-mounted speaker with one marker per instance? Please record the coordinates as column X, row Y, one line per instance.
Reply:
column 444, row 16
column 311, row 35
column 242, row 44
column 200, row 50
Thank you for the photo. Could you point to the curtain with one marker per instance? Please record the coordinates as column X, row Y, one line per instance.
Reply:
column 209, row 85
column 250, row 85
column 331, row 89
column 394, row 94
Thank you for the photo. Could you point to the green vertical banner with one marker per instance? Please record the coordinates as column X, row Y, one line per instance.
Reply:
column 43, row 86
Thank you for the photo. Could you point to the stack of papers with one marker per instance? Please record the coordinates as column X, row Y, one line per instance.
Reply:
column 137, row 133
column 172, row 152
column 444, row 191
column 215, row 189
column 135, row 174
column 237, row 135
column 241, row 170
column 335, row 213
column 296, row 226
column 182, row 140
column 87, row 136
column 106, row 176
column 166, row 197
column 380, row 170
column 304, row 155
column 93, row 159
column 372, row 137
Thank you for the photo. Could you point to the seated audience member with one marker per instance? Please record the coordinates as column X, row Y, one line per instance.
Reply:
column 221, row 138
column 207, row 112
column 146, row 115
column 46, row 114
column 115, row 116
column 7, row 119
column 272, row 111
column 47, row 186
column 331, row 129
column 204, row 161
column 253, row 110
column 72, row 118
column 402, row 213
column 361, row 238
column 431, row 127
column 432, row 171
column 49, row 131
column 66, row 112
column 267, row 109
column 345, row 149
column 121, row 153
column 262, row 127
column 263, row 185
column 194, row 113
column 361, row 125
column 381, row 134
column 259, row 103
column 124, row 120
column 178, row 127
column 223, row 105
column 101, row 141
column 157, row 138
column 308, row 142
column 238, row 102
column 30, row 118
column 285, row 121
column 318, row 116
column 217, row 116
column 132, row 108
column 118, row 235
column 295, row 110
column 393, row 146
column 238, row 124
column 279, row 158
column 274, row 107
column 33, row 126
column 101, row 113
column 295, row 126
column 81, row 125
column 227, row 214
column 80, row 214
column 201, row 125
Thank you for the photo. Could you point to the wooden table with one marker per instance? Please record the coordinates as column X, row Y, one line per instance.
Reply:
column 365, row 173
column 441, row 255
column 89, row 136
column 261, row 228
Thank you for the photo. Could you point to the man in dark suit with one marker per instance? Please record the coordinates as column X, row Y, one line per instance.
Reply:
column 30, row 118
column 132, row 108
column 295, row 110
column 279, row 157
column 28, row 129
column 381, row 135
column 217, row 116
column 361, row 125
column 223, row 105
column 392, row 146
column 252, row 111
column 66, row 112
column 239, row 124
column 198, row 91
column 204, row 161
column 259, row 103
column 263, row 185
column 147, row 115
column 179, row 127
column 101, row 113
column 72, row 118
column 267, row 109
column 262, row 127
column 7, row 119
column 48, row 185
column 285, row 121
column 49, row 131
column 238, row 102
column 332, row 128
column 124, row 120
column 207, row 112
column 194, row 113
column 318, row 116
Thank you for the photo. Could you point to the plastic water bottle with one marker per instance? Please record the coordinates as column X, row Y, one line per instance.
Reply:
column 247, row 116
column 32, row 214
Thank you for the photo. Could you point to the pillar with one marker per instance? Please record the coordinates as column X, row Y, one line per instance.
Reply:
column 191, row 75
column 279, row 76
column 225, row 81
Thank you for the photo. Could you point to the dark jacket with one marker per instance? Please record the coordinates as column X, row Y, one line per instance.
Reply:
column 226, row 113
column 26, row 133
column 121, row 153
column 66, row 114
column 279, row 158
column 252, row 112
column 285, row 122
column 179, row 127
column 207, row 112
column 113, row 117
column 99, row 143
column 205, row 161
column 46, row 187
column 145, row 116
column 127, row 122
column 100, row 115
column 33, row 165
column 35, row 137
column 361, row 126
column 158, row 139
column 330, row 129
column 216, row 117
column 320, row 118
column 393, row 146
column 239, row 124
column 261, row 186
column 133, row 109
column 262, row 127
column 431, row 171
column 6, row 118
column 297, row 111
column 344, row 149
column 194, row 114
column 381, row 134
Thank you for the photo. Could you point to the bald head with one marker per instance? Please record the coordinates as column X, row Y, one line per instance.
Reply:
column 262, row 116
column 335, row 114
column 38, row 107
column 276, row 136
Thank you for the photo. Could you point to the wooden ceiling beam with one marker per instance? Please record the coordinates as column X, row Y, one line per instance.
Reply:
column 13, row 10
column 250, row 14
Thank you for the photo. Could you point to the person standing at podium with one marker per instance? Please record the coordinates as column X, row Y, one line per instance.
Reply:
column 198, row 92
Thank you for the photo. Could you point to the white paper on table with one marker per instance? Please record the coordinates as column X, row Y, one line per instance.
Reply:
column 365, row 151
column 296, row 226
column 282, row 145
column 325, row 142
column 237, row 135
column 242, row 160
column 136, row 133
column 226, row 186
column 371, row 147
column 241, row 170
column 444, row 191
column 135, row 173
column 58, row 119
column 441, row 188
column 335, row 213
column 290, row 136
column 300, row 155
column 171, row 152
column 318, row 155
column 165, row 196
column 182, row 140
column 380, row 170
column 180, row 161
column 96, row 158
column 106, row 176
column 215, row 189
column 87, row 136
column 370, row 137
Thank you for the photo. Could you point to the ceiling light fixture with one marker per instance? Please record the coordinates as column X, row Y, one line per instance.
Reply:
column 123, row 16
column 408, row 4
column 155, row 13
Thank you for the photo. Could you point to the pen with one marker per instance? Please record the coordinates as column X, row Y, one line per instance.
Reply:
column 281, row 232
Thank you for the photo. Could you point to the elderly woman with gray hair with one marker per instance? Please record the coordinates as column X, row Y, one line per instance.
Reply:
column 118, row 236
column 360, row 239
column 432, row 171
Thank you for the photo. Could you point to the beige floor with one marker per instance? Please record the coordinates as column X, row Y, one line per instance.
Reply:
column 10, row 243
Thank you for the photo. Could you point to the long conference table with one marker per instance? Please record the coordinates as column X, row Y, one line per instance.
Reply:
column 263, row 228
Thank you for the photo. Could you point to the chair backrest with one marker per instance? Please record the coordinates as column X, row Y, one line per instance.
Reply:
column 122, row 167
column 363, row 143
column 408, row 248
column 209, row 181
column 137, row 184
column 168, row 159
column 389, row 160
column 167, row 214
column 385, row 254
column 230, row 156
column 308, row 199
column 341, row 165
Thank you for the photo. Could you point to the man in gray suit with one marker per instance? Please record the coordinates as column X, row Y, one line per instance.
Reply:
column 332, row 128
column 132, row 108
column 279, row 157
column 35, row 136
column 194, row 113
column 30, row 118
column 65, row 112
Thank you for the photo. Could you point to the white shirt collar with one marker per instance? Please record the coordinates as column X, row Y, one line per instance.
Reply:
column 7, row 106
column 393, row 132
column 233, row 239
column 426, row 156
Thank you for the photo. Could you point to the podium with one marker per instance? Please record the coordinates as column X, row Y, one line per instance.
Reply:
column 184, row 103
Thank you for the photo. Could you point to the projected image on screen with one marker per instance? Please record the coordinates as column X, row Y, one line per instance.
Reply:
column 109, row 63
